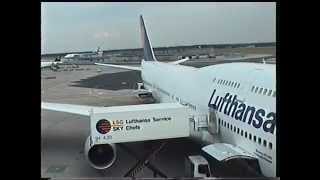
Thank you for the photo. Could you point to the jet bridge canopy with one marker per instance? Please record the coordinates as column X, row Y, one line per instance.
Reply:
column 232, row 161
column 223, row 152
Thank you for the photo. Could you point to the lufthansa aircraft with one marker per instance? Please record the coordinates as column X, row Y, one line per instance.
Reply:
column 230, row 108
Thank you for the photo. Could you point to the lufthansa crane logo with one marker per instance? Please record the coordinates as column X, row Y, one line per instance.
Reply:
column 103, row 126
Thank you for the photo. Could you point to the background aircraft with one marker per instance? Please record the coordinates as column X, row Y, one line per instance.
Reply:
column 84, row 56
column 51, row 64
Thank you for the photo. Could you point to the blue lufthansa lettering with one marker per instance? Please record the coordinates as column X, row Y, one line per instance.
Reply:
column 258, row 118
column 269, row 125
column 243, row 112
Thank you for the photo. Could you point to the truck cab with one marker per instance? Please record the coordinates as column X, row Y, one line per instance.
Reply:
column 197, row 166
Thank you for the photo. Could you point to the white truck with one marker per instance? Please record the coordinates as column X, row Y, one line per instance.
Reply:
column 197, row 166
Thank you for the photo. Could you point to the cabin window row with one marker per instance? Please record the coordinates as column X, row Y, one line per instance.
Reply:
column 263, row 91
column 247, row 135
column 232, row 84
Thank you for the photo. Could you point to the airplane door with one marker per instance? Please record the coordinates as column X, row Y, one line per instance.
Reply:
column 213, row 125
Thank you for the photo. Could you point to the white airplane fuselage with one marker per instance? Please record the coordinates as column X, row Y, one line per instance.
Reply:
column 249, row 123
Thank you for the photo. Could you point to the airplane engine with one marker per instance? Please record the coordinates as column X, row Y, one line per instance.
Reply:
column 100, row 156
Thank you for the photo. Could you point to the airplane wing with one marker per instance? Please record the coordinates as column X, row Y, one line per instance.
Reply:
column 249, row 57
column 180, row 61
column 131, row 123
column 120, row 66
column 86, row 110
column 69, row 108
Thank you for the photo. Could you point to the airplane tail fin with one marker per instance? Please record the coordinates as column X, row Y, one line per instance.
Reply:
column 99, row 52
column 148, row 54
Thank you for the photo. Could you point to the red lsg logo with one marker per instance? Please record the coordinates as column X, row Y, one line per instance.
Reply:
column 103, row 126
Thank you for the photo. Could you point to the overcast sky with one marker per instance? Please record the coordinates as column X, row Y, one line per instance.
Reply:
column 67, row 27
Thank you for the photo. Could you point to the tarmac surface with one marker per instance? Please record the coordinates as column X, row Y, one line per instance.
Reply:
column 63, row 135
